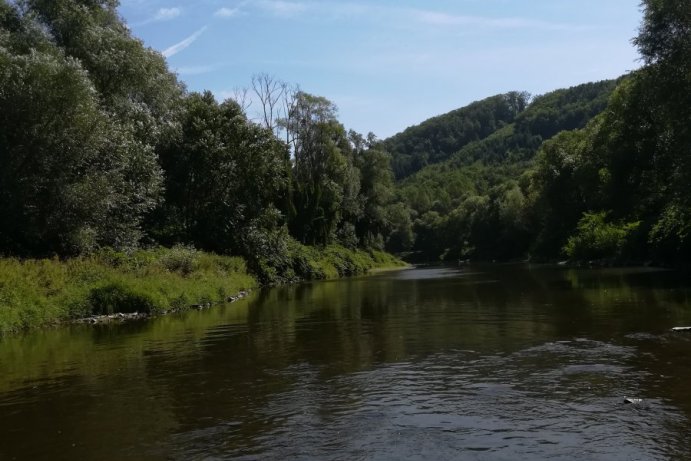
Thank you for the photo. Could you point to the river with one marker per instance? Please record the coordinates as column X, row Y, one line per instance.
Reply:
column 487, row 362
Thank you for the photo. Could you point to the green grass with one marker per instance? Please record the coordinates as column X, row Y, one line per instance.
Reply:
column 333, row 261
column 35, row 293
column 338, row 261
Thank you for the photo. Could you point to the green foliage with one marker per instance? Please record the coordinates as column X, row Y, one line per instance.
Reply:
column 670, row 236
column 372, row 224
column 665, row 35
column 290, row 261
column 634, row 158
column 560, row 110
column 180, row 259
column 100, row 146
column 479, row 203
column 436, row 139
column 133, row 81
column 597, row 239
column 563, row 186
column 401, row 238
column 224, row 179
column 326, row 181
column 71, row 177
column 85, row 108
column 118, row 297
column 347, row 262
column 40, row 292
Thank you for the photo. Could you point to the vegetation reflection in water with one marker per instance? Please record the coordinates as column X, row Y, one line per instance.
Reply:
column 472, row 352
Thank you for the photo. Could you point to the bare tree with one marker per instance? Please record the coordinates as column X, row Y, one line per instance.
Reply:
column 242, row 97
column 269, row 91
column 288, row 103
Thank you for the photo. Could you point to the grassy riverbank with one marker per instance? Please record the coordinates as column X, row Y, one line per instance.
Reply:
column 36, row 293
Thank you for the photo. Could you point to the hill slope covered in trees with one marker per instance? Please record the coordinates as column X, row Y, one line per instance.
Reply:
column 460, row 204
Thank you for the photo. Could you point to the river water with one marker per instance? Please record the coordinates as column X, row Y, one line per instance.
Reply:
column 496, row 362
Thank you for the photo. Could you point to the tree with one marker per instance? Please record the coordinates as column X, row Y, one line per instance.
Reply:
column 270, row 92
column 376, row 189
column 565, row 183
column 223, row 176
column 401, row 237
column 326, row 183
column 665, row 34
column 72, row 178
column 437, row 139
column 133, row 81
column 661, row 92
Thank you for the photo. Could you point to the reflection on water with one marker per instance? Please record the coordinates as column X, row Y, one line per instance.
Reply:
column 479, row 362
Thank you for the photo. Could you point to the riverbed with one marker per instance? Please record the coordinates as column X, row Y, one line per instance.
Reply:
column 487, row 362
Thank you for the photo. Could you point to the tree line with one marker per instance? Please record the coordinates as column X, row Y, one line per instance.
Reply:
column 102, row 146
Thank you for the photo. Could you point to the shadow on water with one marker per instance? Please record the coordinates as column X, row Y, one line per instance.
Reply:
column 479, row 362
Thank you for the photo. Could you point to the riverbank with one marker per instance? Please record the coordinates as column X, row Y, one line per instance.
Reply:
column 38, row 293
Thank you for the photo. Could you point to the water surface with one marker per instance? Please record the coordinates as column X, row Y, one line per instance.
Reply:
column 497, row 362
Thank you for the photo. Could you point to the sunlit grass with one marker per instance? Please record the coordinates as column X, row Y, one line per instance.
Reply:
column 41, row 292
column 35, row 293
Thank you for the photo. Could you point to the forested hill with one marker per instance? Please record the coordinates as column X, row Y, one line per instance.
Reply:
column 457, row 203
column 436, row 139
column 478, row 131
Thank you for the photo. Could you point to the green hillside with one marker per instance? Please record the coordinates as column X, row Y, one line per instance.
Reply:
column 484, row 174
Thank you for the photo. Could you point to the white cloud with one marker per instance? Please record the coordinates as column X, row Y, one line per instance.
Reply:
column 398, row 14
column 166, row 14
column 163, row 14
column 444, row 19
column 283, row 8
column 226, row 12
column 178, row 47
column 195, row 70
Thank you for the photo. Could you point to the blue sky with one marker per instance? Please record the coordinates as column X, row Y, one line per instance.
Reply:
column 391, row 64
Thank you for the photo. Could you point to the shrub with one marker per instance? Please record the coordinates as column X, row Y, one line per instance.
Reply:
column 181, row 259
column 118, row 297
column 670, row 237
column 596, row 238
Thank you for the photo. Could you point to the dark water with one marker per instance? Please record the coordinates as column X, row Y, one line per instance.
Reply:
column 485, row 362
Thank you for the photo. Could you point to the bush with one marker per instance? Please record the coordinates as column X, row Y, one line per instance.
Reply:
column 181, row 259
column 34, row 293
column 670, row 237
column 118, row 297
column 596, row 238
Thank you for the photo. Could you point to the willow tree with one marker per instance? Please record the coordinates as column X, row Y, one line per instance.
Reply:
column 224, row 178
column 72, row 176
column 326, row 182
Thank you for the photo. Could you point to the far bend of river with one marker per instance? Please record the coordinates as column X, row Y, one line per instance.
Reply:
column 487, row 362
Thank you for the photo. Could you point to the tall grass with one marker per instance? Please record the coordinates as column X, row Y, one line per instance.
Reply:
column 40, row 292
column 301, row 262
column 36, row 293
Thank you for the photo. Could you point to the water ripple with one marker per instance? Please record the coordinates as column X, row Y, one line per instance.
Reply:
column 558, row 400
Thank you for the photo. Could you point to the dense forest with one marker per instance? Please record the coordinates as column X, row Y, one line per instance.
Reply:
column 101, row 146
